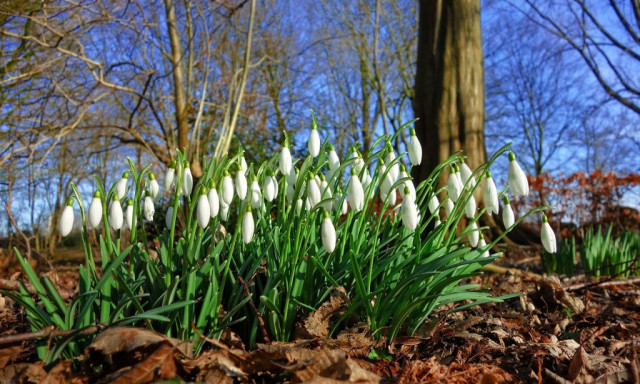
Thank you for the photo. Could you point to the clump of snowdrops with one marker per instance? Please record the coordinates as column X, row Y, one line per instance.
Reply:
column 254, row 247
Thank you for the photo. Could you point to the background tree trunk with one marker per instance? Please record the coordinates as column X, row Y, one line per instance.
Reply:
column 449, row 87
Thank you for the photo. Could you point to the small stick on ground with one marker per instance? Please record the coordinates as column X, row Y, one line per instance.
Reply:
column 47, row 333
column 502, row 270
column 609, row 280
column 265, row 335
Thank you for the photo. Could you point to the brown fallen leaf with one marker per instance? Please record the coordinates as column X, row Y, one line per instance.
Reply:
column 127, row 339
column 159, row 365
column 318, row 322
column 580, row 366
column 552, row 291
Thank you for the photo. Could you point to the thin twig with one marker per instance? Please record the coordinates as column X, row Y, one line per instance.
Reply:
column 502, row 270
column 609, row 280
column 253, row 307
column 47, row 333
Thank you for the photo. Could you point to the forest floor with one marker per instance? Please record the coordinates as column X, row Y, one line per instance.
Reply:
column 559, row 331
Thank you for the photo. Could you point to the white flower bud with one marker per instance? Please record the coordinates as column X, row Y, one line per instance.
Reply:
column 328, row 234
column 407, row 183
column 491, row 196
column 313, row 192
column 470, row 207
column 95, row 210
column 66, row 219
column 410, row 215
column 355, row 193
column 154, row 188
column 547, row 236
column 224, row 210
column 358, row 163
column 241, row 185
column 203, row 210
column 227, row 189
column 148, row 210
column 366, row 180
column 270, row 188
column 129, row 215
column 448, row 206
column 116, row 218
column 256, row 195
column 482, row 244
column 517, row 179
column 433, row 204
column 285, row 159
column 243, row 165
column 121, row 187
column 508, row 218
column 299, row 206
column 248, row 226
column 169, row 175
column 214, row 200
column 169, row 217
column 454, row 185
column 334, row 160
column 466, row 175
column 474, row 234
column 414, row 148
column 314, row 142
column 187, row 180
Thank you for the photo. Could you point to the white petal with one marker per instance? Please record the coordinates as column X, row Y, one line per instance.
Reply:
column 95, row 212
column 334, row 161
column 227, row 189
column 248, row 227
column 474, row 235
column 285, row 161
column 409, row 213
column 491, row 196
column 168, row 178
column 470, row 208
column 328, row 235
column 355, row 194
column 148, row 209
column 169, row 217
column 433, row 204
column 154, row 188
column 465, row 175
column 314, row 143
column 241, row 185
column 415, row 149
column 214, row 202
column 121, row 188
column 256, row 195
column 66, row 221
column 313, row 192
column 454, row 187
column 508, row 218
column 129, row 216
column 448, row 206
column 203, row 211
column 115, row 215
column 548, row 238
column 517, row 179
column 187, row 182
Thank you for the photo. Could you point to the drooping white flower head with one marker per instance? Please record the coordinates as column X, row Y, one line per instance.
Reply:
column 95, row 210
column 129, row 214
column 470, row 207
column 334, row 161
column 414, row 148
column 433, row 204
column 214, row 199
column 482, row 244
column 169, row 216
column 437, row 222
column 385, row 186
column 285, row 162
column 408, row 183
column 313, row 191
column 66, row 219
column 243, row 164
column 154, row 188
column 409, row 213
column 454, row 185
column 394, row 170
column 448, row 206
column 517, row 179
column 491, row 195
column 355, row 193
column 224, row 210
column 474, row 234
column 547, row 236
column 314, row 140
column 270, row 186
column 169, row 175
column 299, row 205
column 227, row 188
column 508, row 218
column 248, row 226
column 466, row 175
column 366, row 180
column 148, row 209
column 328, row 233
column 325, row 193
column 203, row 209
column 256, row 194
column 358, row 162
column 121, row 187
column 116, row 218
column 187, row 180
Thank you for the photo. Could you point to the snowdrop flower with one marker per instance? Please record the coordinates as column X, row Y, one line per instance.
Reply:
column 121, row 187
column 409, row 213
column 214, row 199
column 448, row 206
column 154, row 188
column 148, row 210
column 355, row 193
column 474, row 234
column 454, row 185
column 339, row 200
column 466, row 176
column 358, row 163
column 334, row 161
column 248, row 226
column 227, row 188
column 407, row 183
column 470, row 207
column 482, row 244
column 391, row 156
column 313, row 191
column 517, row 179
column 314, row 140
column 299, row 206
column 129, row 214
column 328, row 233
column 508, row 218
column 325, row 193
column 224, row 210
column 203, row 209
column 66, row 219
column 437, row 222
column 366, row 180
column 385, row 187
column 285, row 162
column 187, row 180
column 270, row 186
column 491, row 195
column 169, row 217
column 434, row 204
column 115, row 214
column 243, row 163
column 95, row 210
column 256, row 194
column 547, row 236
column 169, row 175
column 414, row 148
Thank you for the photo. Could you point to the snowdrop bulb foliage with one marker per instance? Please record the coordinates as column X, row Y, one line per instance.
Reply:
column 129, row 214
column 256, row 194
column 491, row 195
column 355, row 193
column 334, row 161
column 433, row 204
column 95, row 210
column 248, row 226
column 454, row 185
column 148, row 210
column 547, row 236
column 154, row 188
column 314, row 141
column 466, row 176
column 474, row 234
column 121, row 187
column 187, row 180
column 116, row 218
column 270, row 187
column 285, row 162
column 508, row 218
column 203, row 209
column 414, row 148
column 328, row 233
column 169, row 175
column 470, row 207
column 214, row 200
column 227, row 188
column 66, row 219
column 517, row 179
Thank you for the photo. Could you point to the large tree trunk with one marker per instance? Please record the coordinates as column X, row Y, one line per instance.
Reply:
column 449, row 89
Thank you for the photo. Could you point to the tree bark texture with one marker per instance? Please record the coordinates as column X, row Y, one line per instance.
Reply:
column 449, row 88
